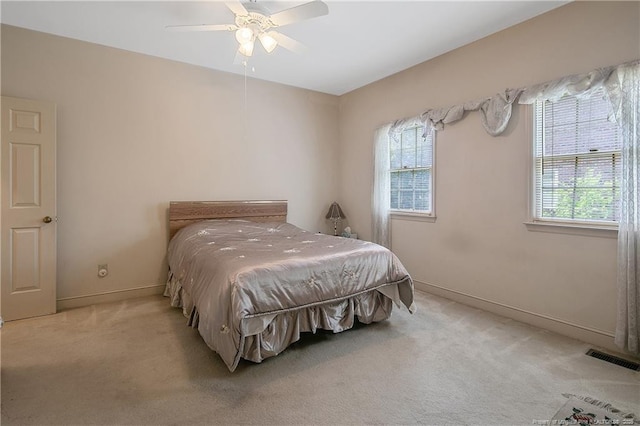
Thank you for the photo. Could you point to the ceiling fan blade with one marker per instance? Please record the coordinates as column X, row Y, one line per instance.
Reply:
column 288, row 43
column 202, row 27
column 236, row 7
column 298, row 13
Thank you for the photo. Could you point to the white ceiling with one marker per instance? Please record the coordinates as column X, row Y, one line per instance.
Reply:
column 357, row 43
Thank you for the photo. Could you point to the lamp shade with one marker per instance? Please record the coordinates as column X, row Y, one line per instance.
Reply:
column 244, row 35
column 246, row 48
column 335, row 212
column 268, row 42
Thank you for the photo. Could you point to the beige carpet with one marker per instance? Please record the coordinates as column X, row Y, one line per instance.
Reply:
column 136, row 362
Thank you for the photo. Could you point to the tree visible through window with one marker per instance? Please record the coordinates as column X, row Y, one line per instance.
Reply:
column 577, row 160
column 411, row 155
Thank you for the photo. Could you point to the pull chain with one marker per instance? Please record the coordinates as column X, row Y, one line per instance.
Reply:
column 245, row 63
column 246, row 107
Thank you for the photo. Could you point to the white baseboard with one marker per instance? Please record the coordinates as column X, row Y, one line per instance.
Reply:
column 589, row 335
column 110, row 296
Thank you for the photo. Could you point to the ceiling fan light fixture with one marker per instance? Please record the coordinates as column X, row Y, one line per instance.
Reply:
column 253, row 22
column 244, row 35
column 246, row 48
column 268, row 42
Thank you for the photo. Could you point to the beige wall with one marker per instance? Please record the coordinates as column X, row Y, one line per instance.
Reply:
column 479, row 246
column 135, row 132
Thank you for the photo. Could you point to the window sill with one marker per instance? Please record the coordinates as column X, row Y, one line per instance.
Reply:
column 587, row 230
column 418, row 217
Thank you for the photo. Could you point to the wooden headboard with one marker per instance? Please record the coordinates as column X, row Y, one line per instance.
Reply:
column 183, row 213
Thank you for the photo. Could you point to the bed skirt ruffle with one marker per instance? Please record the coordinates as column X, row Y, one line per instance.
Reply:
column 264, row 336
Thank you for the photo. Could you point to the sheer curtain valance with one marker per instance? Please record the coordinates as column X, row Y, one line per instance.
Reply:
column 495, row 111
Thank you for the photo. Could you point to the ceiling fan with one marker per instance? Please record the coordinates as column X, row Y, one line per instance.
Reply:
column 253, row 22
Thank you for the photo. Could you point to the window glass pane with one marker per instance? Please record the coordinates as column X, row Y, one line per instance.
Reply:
column 592, row 108
column 562, row 112
column 558, row 172
column 424, row 150
column 395, row 153
column 560, row 140
column 406, row 179
column 422, row 200
column 549, row 192
column 579, row 126
column 406, row 200
column 422, row 177
column 409, row 148
column 394, row 199
column 583, row 187
column 395, row 181
column 600, row 135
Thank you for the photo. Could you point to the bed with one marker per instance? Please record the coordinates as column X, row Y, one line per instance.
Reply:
column 251, row 283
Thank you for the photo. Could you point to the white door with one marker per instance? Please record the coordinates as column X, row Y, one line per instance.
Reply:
column 28, row 249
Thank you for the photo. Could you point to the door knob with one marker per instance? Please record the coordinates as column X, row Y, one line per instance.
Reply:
column 47, row 219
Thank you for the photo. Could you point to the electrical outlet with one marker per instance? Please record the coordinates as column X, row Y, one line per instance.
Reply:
column 103, row 270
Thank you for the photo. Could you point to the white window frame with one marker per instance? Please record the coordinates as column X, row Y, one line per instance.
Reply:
column 564, row 226
column 419, row 215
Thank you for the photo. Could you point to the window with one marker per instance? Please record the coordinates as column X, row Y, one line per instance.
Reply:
column 411, row 155
column 577, row 161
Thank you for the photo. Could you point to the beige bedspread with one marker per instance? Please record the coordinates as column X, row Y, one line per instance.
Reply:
column 240, row 276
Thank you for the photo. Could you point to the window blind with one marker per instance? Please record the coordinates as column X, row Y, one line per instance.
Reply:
column 577, row 160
